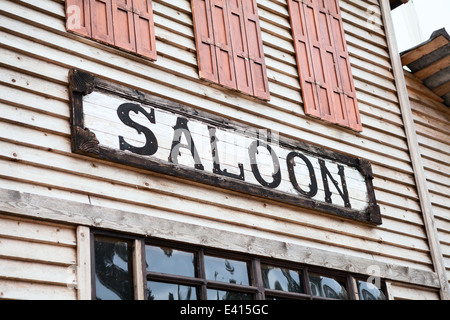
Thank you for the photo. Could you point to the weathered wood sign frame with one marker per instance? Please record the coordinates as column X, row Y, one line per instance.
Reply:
column 85, row 142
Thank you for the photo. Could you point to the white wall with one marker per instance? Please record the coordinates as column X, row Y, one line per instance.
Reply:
column 416, row 20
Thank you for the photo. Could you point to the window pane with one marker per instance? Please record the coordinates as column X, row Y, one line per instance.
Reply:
column 327, row 287
column 231, row 271
column 228, row 295
column 167, row 260
column 113, row 269
column 368, row 291
column 281, row 279
column 169, row 291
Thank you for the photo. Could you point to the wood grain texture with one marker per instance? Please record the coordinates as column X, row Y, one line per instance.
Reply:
column 37, row 260
column 34, row 206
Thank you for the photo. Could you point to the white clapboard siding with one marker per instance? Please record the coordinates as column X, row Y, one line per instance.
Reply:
column 37, row 261
column 432, row 121
column 399, row 291
column 35, row 152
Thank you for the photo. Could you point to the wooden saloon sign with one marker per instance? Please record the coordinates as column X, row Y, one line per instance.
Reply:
column 121, row 124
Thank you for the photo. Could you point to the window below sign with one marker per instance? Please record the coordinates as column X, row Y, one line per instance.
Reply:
column 175, row 271
column 126, row 24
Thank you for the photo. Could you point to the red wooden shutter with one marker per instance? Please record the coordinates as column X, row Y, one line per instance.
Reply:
column 240, row 47
column 203, row 28
column 214, row 50
column 222, row 42
column 144, row 28
column 304, row 57
column 348, row 91
column 255, row 50
column 78, row 16
column 102, row 20
column 323, row 62
column 127, row 24
column 333, row 110
column 229, row 45
column 124, row 35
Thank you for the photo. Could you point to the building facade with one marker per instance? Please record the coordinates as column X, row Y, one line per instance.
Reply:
column 213, row 149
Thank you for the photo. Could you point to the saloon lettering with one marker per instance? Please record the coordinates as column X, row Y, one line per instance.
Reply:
column 120, row 124
column 181, row 130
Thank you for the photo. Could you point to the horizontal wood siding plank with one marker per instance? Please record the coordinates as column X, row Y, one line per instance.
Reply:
column 399, row 291
column 37, row 260
column 11, row 289
column 29, row 231
column 35, row 102
column 35, row 272
column 39, row 252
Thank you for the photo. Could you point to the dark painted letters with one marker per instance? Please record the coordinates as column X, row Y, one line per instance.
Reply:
column 151, row 145
column 252, row 151
column 290, row 159
column 216, row 161
column 181, row 129
column 343, row 193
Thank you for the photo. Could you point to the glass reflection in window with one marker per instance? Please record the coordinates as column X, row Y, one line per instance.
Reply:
column 169, row 291
column 281, row 279
column 113, row 269
column 327, row 287
column 225, row 270
column 214, row 294
column 168, row 260
column 368, row 291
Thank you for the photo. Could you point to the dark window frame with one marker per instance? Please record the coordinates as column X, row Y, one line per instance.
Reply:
column 115, row 236
column 254, row 262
